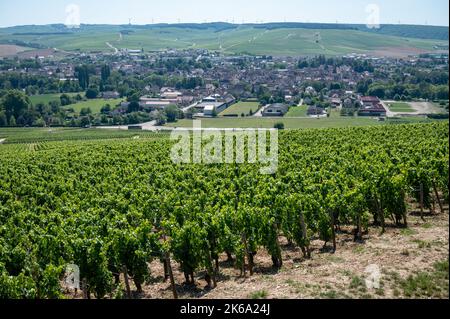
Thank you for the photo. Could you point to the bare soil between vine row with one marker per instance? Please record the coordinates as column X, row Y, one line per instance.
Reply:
column 399, row 253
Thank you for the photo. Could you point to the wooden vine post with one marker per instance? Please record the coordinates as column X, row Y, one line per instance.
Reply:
column 127, row 282
column 421, row 202
column 169, row 269
column 441, row 207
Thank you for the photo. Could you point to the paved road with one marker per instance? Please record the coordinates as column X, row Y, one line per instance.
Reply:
column 185, row 109
column 261, row 110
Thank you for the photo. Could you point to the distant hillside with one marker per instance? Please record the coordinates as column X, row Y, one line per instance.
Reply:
column 270, row 38
column 411, row 31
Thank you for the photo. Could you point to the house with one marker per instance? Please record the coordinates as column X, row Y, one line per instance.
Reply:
column 171, row 95
column 335, row 102
column 156, row 104
column 316, row 111
column 277, row 109
column 110, row 95
column 311, row 91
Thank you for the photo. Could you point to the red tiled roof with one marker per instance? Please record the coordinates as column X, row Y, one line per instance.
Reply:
column 373, row 99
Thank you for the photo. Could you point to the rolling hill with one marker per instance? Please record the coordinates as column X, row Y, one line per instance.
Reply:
column 260, row 39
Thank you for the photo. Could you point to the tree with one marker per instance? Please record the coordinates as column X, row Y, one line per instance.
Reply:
column 106, row 109
column 55, row 106
column 3, row 120
column 41, row 108
column 82, row 73
column 133, row 107
column 65, row 100
column 302, row 64
column 279, row 126
column 39, row 122
column 12, row 121
column 105, row 72
column 161, row 118
column 378, row 91
column 442, row 92
column 85, row 121
column 15, row 103
column 92, row 93
column 85, row 111
column 172, row 113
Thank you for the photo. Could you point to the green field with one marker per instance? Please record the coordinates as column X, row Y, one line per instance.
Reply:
column 291, row 123
column 95, row 105
column 270, row 122
column 47, row 98
column 401, row 107
column 297, row 111
column 240, row 39
column 242, row 108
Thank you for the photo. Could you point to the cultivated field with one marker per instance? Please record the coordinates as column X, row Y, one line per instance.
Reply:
column 7, row 50
column 274, row 41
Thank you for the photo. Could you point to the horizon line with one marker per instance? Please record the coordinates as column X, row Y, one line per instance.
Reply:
column 223, row 22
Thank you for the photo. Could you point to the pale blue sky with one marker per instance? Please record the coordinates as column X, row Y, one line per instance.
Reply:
column 20, row 12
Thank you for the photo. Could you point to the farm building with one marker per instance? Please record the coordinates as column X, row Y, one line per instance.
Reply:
column 210, row 110
column 206, row 108
column 371, row 106
column 215, row 102
column 110, row 95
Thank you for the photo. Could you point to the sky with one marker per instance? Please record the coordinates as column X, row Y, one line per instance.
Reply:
column 26, row 12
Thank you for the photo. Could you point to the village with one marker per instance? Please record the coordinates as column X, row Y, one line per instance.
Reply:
column 139, row 87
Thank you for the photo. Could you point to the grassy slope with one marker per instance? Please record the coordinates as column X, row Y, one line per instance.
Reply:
column 242, row 39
